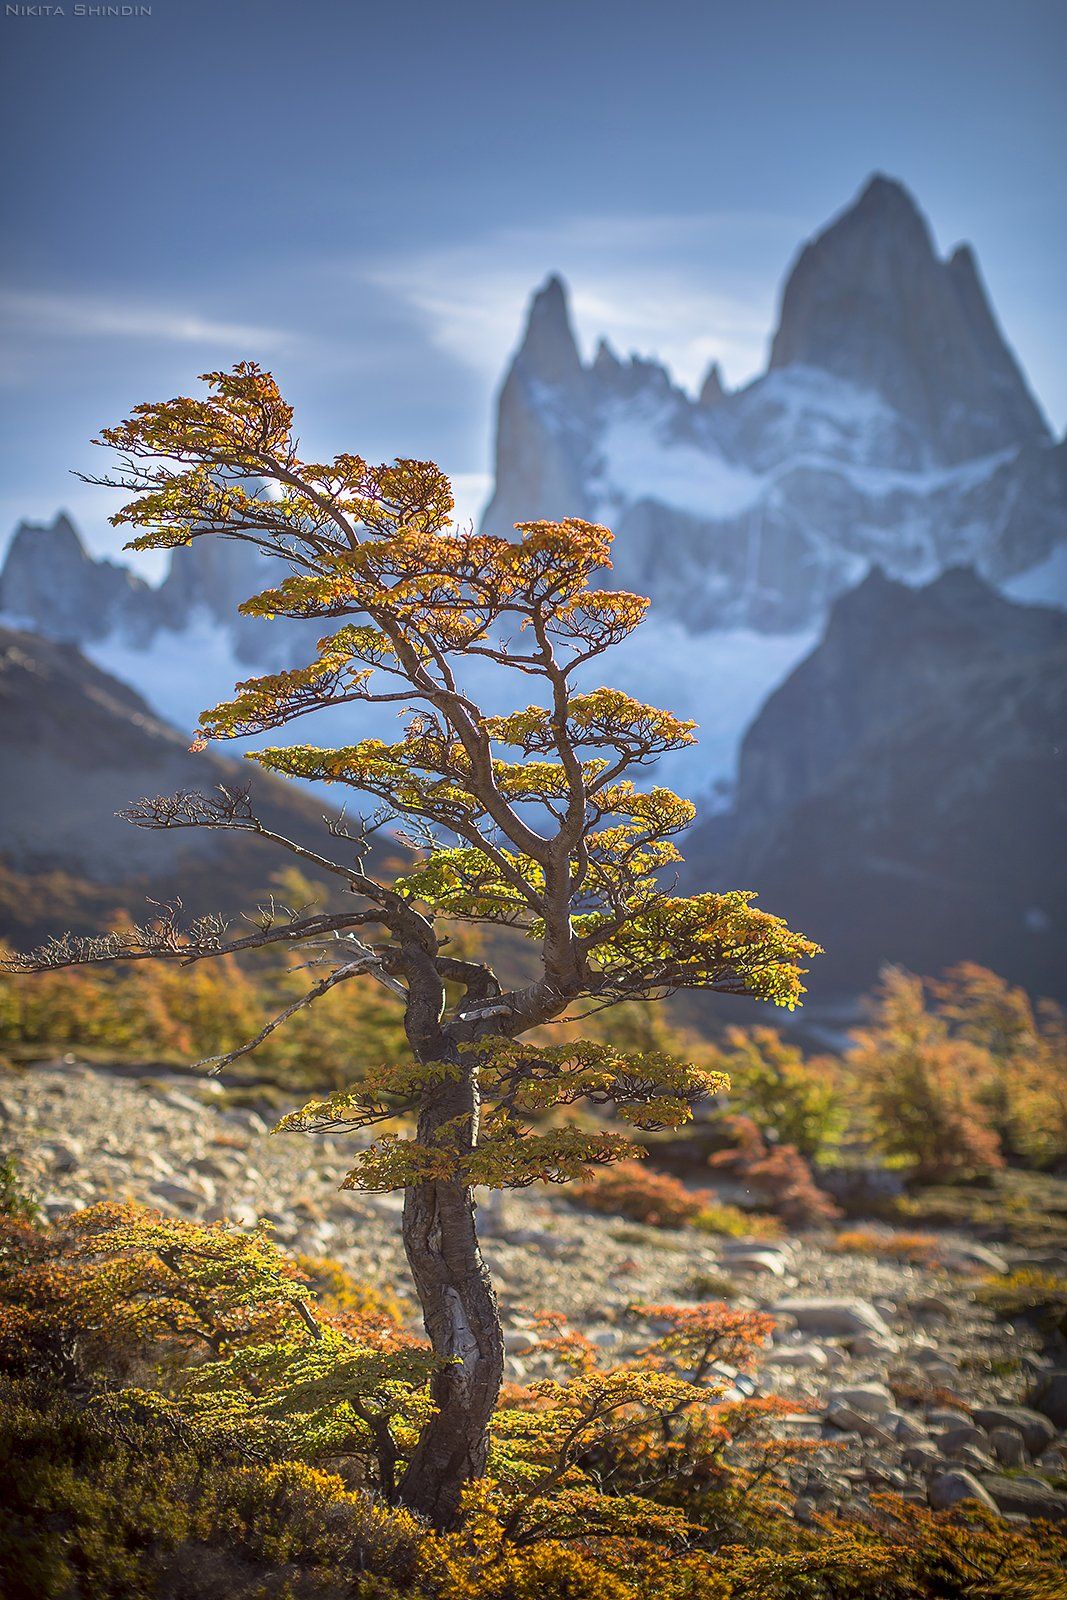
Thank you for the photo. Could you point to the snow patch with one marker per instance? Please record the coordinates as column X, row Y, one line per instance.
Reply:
column 639, row 462
column 1043, row 585
column 180, row 673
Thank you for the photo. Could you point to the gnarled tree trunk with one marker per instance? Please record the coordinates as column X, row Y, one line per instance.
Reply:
column 462, row 1321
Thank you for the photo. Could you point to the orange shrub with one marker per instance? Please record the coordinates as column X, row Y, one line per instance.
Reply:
column 922, row 1249
column 631, row 1190
column 778, row 1173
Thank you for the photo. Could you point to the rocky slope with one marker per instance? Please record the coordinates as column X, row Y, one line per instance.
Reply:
column 893, row 424
column 79, row 745
column 903, row 795
column 909, row 1383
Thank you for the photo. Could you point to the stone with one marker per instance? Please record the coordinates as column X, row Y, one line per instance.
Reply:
column 963, row 1433
column 244, row 1117
column 178, row 1194
column 905, row 1428
column 965, row 1253
column 1032, row 1497
column 921, row 1455
column 947, row 1489
column 1008, row 1446
column 879, row 1475
column 802, row 1425
column 926, row 1355
column 973, row 1459
column 872, row 1399
column 930, row 1308
column 61, row 1205
column 64, row 1157
column 182, row 1102
column 219, row 1166
column 1037, row 1430
column 831, row 1316
column 519, row 1339
column 758, row 1263
column 1049, row 1396
column 804, row 1509
column 848, row 1419
column 874, row 1344
column 797, row 1356
column 942, row 1374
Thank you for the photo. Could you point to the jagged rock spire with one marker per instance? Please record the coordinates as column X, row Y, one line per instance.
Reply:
column 869, row 300
column 712, row 390
column 50, row 580
column 549, row 349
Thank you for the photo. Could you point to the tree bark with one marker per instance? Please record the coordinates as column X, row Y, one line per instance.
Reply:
column 462, row 1321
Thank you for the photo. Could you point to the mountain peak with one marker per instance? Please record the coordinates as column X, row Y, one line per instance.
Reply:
column 869, row 300
column 549, row 349
column 46, row 542
column 712, row 390
column 884, row 196
column 606, row 363
column 49, row 578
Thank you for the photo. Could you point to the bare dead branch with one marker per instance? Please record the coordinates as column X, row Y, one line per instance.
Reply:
column 215, row 1064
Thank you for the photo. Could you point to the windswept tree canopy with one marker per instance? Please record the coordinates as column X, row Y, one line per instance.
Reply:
column 532, row 819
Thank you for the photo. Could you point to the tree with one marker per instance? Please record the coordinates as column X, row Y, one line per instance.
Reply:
column 531, row 819
column 922, row 1085
column 793, row 1100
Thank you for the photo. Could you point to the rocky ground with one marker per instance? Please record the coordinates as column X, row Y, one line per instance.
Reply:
column 919, row 1388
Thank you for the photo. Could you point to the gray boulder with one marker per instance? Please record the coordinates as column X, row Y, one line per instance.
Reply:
column 948, row 1489
column 831, row 1316
column 1037, row 1430
column 1049, row 1396
column 1029, row 1497
column 872, row 1399
column 1008, row 1447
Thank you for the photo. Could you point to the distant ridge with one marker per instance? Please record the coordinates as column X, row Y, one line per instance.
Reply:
column 79, row 745
column 902, row 796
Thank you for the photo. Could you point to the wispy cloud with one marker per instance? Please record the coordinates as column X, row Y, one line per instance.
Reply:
column 94, row 317
column 660, row 285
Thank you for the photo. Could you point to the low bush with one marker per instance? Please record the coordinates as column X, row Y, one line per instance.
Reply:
column 921, row 1087
column 182, row 1419
column 642, row 1194
column 922, row 1249
column 796, row 1101
column 1028, row 1292
column 779, row 1175
column 633, row 1190
column 734, row 1223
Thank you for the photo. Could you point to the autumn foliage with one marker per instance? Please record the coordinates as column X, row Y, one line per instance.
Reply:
column 187, row 1412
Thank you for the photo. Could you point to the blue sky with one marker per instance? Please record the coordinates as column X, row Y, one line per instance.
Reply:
column 363, row 195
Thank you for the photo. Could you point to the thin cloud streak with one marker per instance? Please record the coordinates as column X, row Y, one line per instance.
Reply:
column 86, row 316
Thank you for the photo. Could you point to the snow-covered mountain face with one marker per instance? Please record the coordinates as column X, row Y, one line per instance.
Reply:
column 893, row 426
